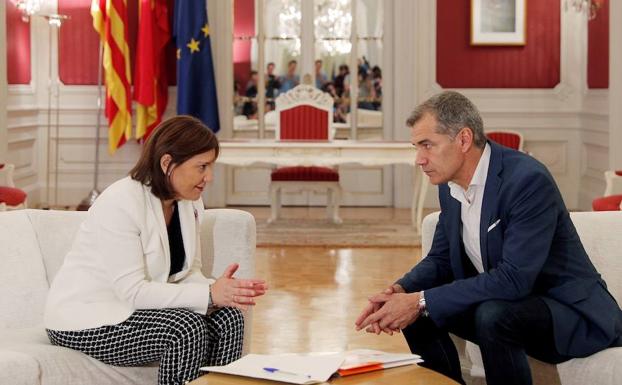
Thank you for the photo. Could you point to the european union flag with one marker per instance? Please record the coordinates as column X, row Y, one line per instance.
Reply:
column 196, row 87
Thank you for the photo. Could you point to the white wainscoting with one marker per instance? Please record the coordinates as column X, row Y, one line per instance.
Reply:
column 24, row 140
column 595, row 146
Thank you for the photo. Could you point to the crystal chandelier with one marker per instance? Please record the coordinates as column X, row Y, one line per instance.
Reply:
column 333, row 20
column 289, row 24
column 590, row 7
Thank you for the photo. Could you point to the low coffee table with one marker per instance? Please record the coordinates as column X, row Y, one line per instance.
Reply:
column 411, row 375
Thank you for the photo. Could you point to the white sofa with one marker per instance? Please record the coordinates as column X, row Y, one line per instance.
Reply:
column 600, row 234
column 33, row 244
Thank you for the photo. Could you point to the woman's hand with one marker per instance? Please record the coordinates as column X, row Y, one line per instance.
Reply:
column 233, row 292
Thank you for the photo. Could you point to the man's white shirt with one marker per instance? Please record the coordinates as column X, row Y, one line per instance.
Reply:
column 471, row 208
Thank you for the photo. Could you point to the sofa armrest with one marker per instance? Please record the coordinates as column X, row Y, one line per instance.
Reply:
column 427, row 232
column 229, row 236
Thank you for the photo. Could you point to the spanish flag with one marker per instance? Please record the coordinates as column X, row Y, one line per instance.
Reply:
column 110, row 22
column 150, row 83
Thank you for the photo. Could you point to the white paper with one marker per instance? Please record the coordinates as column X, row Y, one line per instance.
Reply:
column 293, row 368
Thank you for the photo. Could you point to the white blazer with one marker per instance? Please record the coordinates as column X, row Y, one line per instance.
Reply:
column 120, row 262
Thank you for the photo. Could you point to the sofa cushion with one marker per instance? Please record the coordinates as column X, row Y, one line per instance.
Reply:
column 57, row 365
column 603, row 368
column 55, row 231
column 18, row 369
column 23, row 281
column 62, row 366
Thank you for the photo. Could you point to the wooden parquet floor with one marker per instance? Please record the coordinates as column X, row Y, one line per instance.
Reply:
column 316, row 294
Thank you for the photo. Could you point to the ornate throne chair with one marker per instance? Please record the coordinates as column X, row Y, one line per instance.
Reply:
column 305, row 114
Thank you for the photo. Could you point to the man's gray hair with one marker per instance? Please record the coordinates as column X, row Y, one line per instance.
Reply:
column 453, row 111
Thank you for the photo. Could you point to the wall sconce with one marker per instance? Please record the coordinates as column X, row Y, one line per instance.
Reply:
column 28, row 8
column 590, row 7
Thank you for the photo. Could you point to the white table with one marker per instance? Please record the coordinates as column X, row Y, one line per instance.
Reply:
column 329, row 154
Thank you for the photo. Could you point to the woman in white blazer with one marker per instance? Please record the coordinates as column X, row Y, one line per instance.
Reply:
column 130, row 290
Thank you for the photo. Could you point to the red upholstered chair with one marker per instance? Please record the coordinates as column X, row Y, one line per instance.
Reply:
column 608, row 203
column 11, row 198
column 305, row 114
column 612, row 200
column 511, row 139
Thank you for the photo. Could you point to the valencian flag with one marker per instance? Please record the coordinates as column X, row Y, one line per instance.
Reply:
column 196, row 88
column 150, row 83
column 110, row 22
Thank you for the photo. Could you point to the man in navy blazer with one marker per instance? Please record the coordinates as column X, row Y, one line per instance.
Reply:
column 506, row 269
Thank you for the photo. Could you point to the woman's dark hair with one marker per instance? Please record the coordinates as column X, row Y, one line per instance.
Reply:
column 182, row 137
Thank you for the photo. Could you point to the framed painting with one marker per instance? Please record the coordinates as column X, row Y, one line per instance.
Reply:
column 498, row 22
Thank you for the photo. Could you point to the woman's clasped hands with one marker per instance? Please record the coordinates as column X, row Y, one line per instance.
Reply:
column 228, row 291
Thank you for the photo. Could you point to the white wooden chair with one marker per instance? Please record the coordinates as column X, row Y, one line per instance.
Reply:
column 305, row 114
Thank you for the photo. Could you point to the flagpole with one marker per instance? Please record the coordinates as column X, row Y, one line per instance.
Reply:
column 88, row 201
column 54, row 21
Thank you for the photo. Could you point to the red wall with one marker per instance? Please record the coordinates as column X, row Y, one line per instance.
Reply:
column 243, row 25
column 598, row 48
column 79, row 44
column 17, row 47
column 534, row 65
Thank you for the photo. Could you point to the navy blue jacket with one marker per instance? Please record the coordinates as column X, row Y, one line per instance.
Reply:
column 534, row 250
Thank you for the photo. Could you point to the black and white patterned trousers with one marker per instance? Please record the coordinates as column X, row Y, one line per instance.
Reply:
column 180, row 339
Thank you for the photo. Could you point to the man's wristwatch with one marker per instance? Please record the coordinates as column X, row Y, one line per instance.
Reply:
column 423, row 311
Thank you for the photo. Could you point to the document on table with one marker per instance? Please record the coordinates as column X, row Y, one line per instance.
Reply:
column 365, row 360
column 292, row 368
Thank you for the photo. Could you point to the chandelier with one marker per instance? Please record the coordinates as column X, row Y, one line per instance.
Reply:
column 289, row 24
column 590, row 7
column 333, row 25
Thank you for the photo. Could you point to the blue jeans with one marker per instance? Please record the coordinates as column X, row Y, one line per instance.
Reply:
column 506, row 333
